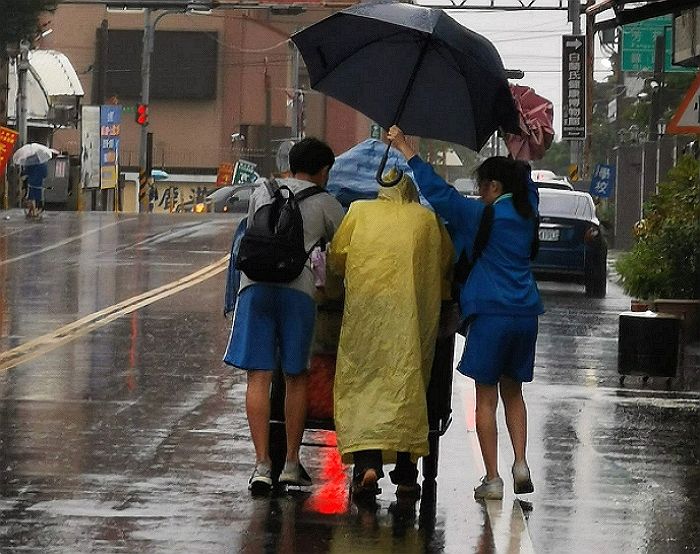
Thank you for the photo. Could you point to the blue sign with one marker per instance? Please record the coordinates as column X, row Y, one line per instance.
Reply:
column 110, row 131
column 603, row 181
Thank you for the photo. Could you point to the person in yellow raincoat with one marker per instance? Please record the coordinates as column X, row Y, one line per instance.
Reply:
column 395, row 256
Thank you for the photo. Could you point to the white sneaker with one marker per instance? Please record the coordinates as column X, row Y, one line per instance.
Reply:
column 295, row 474
column 522, row 483
column 260, row 481
column 489, row 490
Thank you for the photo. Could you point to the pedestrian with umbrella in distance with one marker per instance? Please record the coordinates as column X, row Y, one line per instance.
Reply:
column 499, row 298
column 33, row 159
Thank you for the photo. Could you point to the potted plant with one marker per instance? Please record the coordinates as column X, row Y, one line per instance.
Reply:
column 664, row 264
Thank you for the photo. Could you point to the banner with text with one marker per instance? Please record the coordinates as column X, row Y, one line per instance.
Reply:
column 110, row 131
column 8, row 138
column 573, row 126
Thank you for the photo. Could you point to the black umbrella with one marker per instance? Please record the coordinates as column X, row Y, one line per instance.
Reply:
column 411, row 66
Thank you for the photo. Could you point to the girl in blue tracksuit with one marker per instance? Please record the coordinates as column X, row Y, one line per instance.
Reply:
column 500, row 297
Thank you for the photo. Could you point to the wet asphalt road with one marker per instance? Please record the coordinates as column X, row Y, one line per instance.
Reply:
column 126, row 433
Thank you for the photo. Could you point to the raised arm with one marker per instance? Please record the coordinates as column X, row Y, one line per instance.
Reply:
column 445, row 199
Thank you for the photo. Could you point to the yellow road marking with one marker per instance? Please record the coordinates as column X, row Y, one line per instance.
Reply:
column 45, row 343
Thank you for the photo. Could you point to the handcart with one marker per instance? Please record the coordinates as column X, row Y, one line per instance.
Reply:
column 322, row 372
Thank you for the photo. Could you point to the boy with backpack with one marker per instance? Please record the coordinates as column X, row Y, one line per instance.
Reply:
column 276, row 311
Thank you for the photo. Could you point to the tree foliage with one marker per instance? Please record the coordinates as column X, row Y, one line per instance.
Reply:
column 665, row 261
column 20, row 19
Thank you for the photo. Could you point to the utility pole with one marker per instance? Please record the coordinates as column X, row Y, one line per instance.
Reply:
column 575, row 19
column 267, row 164
column 590, row 62
column 144, row 170
column 655, row 112
column 296, row 127
column 22, row 72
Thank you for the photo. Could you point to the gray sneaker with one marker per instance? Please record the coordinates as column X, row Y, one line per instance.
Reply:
column 489, row 490
column 261, row 480
column 522, row 483
column 295, row 474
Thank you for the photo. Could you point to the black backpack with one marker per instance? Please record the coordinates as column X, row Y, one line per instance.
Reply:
column 272, row 249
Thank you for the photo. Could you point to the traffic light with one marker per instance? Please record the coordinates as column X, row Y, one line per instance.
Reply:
column 142, row 114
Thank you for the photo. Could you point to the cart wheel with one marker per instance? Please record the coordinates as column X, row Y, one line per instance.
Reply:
column 622, row 380
column 645, row 379
column 278, row 449
column 430, row 462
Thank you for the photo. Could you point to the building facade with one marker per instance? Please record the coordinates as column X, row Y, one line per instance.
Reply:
column 229, row 73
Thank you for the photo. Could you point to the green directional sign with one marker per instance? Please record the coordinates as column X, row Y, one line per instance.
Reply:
column 638, row 43
column 244, row 172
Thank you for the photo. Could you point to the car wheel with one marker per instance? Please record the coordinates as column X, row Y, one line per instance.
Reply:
column 596, row 280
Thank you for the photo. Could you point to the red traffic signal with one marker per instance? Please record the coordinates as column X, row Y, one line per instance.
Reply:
column 142, row 114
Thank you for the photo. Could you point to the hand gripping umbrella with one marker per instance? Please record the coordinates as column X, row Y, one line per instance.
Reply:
column 410, row 66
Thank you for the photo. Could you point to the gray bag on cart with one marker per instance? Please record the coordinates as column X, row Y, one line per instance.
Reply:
column 272, row 249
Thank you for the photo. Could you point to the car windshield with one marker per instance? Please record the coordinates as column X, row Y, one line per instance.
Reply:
column 566, row 205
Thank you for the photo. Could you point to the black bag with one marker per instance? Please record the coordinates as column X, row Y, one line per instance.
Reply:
column 464, row 265
column 272, row 249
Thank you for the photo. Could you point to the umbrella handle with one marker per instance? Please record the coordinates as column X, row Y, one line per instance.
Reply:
column 380, row 179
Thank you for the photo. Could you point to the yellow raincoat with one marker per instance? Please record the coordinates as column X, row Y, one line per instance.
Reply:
column 395, row 256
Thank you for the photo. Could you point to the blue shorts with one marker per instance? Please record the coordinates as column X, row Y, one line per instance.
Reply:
column 272, row 327
column 499, row 345
column 35, row 193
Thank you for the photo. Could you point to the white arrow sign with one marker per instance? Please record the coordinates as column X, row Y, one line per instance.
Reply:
column 576, row 44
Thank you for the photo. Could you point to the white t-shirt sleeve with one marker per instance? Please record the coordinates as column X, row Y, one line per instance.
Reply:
column 333, row 214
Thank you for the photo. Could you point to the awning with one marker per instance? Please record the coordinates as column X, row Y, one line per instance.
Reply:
column 626, row 12
column 53, row 90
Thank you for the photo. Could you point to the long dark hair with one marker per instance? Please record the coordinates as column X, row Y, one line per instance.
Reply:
column 514, row 176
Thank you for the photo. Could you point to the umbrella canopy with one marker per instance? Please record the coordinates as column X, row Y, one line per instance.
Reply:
column 33, row 154
column 352, row 175
column 536, row 125
column 412, row 66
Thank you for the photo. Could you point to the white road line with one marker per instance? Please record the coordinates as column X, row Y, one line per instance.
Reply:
column 45, row 343
column 62, row 242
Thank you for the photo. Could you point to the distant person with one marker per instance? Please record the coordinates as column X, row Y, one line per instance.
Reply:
column 500, row 297
column 33, row 177
column 274, row 322
column 395, row 256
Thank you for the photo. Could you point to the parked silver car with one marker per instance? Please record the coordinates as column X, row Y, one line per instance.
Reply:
column 231, row 198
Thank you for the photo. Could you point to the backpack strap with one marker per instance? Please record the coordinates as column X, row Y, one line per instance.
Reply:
column 464, row 265
column 482, row 235
column 308, row 192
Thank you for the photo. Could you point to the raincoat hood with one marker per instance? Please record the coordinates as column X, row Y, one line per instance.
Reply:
column 403, row 192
